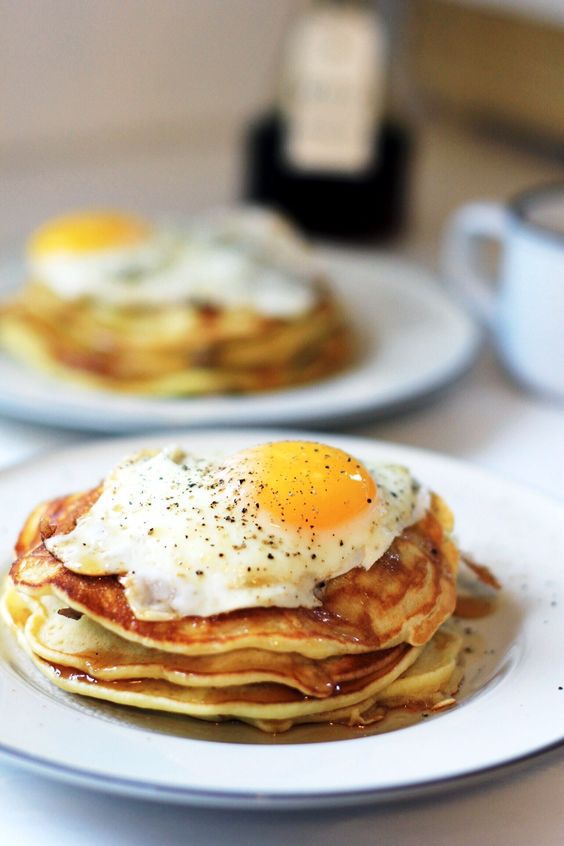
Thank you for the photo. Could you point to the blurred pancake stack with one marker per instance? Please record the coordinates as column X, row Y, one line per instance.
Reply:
column 233, row 302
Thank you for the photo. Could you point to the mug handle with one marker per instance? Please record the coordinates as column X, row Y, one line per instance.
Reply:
column 466, row 231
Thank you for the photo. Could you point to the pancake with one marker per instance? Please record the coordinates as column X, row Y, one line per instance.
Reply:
column 180, row 351
column 430, row 683
column 403, row 598
column 244, row 702
column 64, row 638
column 406, row 676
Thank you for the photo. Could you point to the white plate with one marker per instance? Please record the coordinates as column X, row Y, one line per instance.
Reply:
column 514, row 712
column 415, row 341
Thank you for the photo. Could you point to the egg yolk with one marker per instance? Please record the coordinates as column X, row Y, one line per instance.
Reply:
column 87, row 232
column 305, row 484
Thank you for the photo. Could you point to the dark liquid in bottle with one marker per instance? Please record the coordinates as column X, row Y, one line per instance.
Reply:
column 367, row 205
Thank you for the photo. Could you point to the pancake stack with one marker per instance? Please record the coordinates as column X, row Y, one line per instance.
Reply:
column 234, row 304
column 379, row 639
column 179, row 350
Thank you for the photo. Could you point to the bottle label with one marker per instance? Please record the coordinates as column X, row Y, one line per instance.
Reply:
column 333, row 90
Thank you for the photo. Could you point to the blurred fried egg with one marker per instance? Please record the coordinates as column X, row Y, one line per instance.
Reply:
column 249, row 259
column 267, row 526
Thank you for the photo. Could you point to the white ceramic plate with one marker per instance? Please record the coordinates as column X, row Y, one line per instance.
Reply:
column 514, row 699
column 415, row 340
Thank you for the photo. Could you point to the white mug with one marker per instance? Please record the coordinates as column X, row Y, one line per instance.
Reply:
column 526, row 313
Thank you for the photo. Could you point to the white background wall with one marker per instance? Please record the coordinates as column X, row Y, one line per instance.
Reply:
column 78, row 70
column 131, row 103
column 75, row 72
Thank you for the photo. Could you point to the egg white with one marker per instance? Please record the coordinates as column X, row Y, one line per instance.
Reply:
column 186, row 537
column 247, row 259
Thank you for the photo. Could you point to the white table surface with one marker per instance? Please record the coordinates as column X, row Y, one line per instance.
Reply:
column 483, row 419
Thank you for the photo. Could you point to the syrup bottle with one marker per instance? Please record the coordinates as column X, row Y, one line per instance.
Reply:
column 327, row 155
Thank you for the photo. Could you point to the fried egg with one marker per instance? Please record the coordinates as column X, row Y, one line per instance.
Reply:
column 249, row 259
column 267, row 526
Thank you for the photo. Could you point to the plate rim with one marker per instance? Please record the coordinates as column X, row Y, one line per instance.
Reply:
column 249, row 800
column 243, row 799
